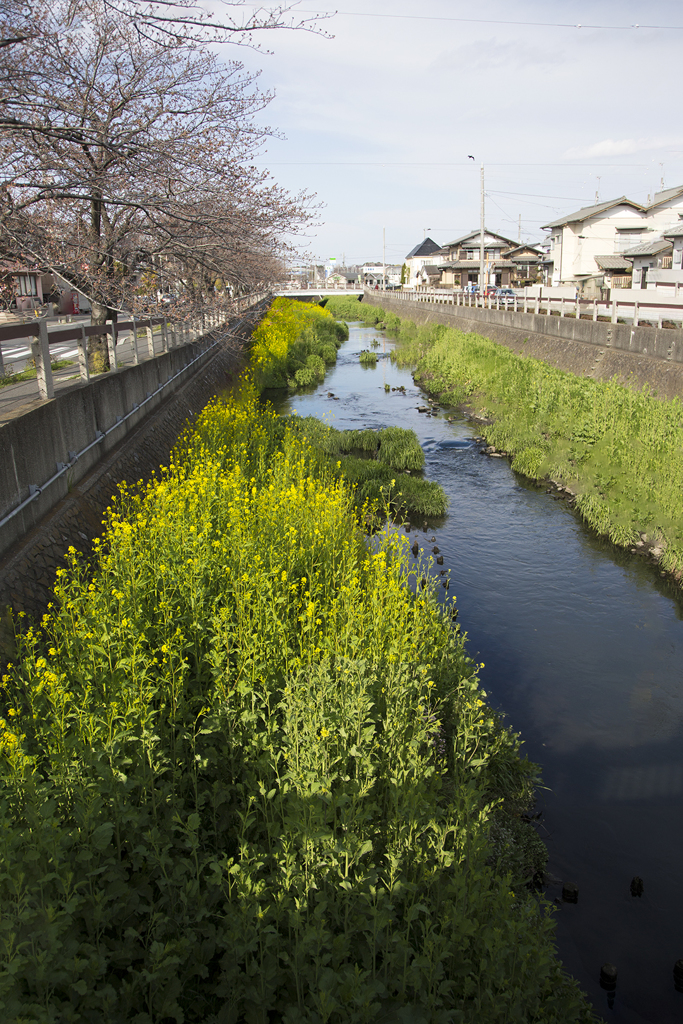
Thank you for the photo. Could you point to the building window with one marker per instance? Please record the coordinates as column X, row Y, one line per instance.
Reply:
column 26, row 284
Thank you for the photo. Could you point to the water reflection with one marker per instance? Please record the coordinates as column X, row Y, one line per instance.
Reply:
column 583, row 648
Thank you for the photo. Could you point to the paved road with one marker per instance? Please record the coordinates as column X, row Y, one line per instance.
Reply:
column 18, row 398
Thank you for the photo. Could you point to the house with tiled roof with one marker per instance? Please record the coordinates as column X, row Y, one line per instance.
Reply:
column 615, row 271
column 601, row 229
column 583, row 242
column 646, row 257
column 460, row 260
column 674, row 275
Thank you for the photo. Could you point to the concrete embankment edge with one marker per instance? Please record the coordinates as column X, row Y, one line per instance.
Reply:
column 27, row 569
column 635, row 356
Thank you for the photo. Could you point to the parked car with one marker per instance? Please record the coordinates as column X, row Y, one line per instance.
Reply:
column 490, row 290
column 471, row 289
column 505, row 295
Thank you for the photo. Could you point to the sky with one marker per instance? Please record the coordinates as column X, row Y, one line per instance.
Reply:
column 379, row 121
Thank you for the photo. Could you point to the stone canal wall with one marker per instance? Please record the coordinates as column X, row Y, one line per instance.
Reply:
column 28, row 565
column 637, row 356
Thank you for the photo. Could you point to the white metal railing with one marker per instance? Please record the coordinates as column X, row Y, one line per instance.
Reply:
column 631, row 310
column 171, row 334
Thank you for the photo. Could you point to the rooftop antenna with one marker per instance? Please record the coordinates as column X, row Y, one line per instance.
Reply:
column 597, row 191
column 661, row 180
column 519, row 228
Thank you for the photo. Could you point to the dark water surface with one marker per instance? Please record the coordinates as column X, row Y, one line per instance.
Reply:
column 583, row 651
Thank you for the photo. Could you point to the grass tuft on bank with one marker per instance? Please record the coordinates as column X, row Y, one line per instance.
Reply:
column 294, row 343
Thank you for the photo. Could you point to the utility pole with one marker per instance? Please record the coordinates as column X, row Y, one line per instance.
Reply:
column 384, row 259
column 481, row 240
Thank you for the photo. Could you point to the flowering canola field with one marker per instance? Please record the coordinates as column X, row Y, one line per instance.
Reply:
column 247, row 773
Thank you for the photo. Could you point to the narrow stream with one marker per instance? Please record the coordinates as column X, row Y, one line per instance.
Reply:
column 583, row 648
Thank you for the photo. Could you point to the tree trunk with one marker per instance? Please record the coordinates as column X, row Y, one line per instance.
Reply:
column 98, row 351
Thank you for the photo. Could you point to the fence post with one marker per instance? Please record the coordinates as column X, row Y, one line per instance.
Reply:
column 561, row 306
column 2, row 365
column 111, row 346
column 525, row 301
column 134, row 342
column 635, row 314
column 40, row 349
column 150, row 339
column 538, row 304
column 614, row 311
column 164, row 338
column 578, row 308
column 595, row 309
column 83, row 355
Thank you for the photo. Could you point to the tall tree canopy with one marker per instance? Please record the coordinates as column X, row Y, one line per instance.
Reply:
column 125, row 150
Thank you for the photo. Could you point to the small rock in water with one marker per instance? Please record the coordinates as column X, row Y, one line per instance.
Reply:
column 608, row 976
column 570, row 892
column 431, row 538
column 435, row 550
column 678, row 975
column 415, row 549
column 637, row 886
column 407, row 527
column 439, row 560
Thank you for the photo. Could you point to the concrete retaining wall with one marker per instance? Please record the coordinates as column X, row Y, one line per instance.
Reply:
column 38, row 439
column 635, row 355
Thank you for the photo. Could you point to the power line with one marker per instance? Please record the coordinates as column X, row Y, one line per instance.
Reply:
column 533, row 195
column 496, row 21
column 428, row 163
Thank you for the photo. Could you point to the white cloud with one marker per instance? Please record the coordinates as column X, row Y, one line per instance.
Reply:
column 621, row 147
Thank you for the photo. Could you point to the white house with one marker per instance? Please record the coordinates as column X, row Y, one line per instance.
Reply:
column 646, row 258
column 583, row 243
column 424, row 254
column 594, row 231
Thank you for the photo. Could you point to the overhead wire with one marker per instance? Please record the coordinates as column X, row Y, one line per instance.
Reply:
column 496, row 21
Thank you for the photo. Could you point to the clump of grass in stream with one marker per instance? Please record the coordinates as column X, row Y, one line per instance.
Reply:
column 368, row 358
column 620, row 450
column 344, row 307
column 294, row 344
column 375, row 479
column 400, row 449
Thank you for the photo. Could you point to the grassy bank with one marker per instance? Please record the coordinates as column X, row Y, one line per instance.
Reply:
column 619, row 450
column 247, row 773
column 294, row 344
